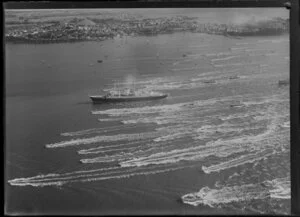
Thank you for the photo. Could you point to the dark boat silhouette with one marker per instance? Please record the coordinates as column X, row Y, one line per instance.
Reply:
column 283, row 82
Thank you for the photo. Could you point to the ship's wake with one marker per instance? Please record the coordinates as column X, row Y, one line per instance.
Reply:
column 241, row 136
column 235, row 142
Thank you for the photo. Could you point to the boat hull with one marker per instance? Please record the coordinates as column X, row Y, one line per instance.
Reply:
column 102, row 99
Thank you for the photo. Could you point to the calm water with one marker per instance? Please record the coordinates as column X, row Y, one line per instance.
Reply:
column 218, row 144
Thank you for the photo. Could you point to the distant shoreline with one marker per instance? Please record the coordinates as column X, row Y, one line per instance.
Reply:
column 46, row 41
column 24, row 30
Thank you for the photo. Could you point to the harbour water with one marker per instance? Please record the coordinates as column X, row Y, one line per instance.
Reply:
column 218, row 144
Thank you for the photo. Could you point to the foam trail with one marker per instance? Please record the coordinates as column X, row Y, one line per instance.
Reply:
column 106, row 151
column 185, row 69
column 243, row 43
column 143, row 120
column 273, row 41
column 164, row 108
column 271, row 54
column 180, row 112
column 218, row 54
column 225, row 58
column 108, row 119
column 140, row 110
column 93, row 130
column 229, row 64
column 166, row 119
column 243, row 64
column 281, row 188
column 137, row 59
column 204, row 74
column 106, row 159
column 250, row 158
column 241, row 115
column 102, row 149
column 96, row 139
column 217, row 72
column 58, row 180
column 232, row 194
column 246, row 140
column 82, row 132
column 266, row 101
column 213, row 197
column 251, row 50
column 186, row 154
column 171, row 136
column 129, row 152
column 239, row 48
column 143, row 145
column 286, row 124
column 208, row 131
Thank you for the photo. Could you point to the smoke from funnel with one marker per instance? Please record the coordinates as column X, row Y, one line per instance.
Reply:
column 129, row 81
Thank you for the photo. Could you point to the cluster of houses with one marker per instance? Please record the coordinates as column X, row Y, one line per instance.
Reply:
column 89, row 29
column 58, row 32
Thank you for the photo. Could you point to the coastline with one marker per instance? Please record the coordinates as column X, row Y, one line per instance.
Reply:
column 94, row 29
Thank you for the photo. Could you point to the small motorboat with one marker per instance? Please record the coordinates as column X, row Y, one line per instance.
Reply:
column 209, row 81
column 233, row 77
column 237, row 105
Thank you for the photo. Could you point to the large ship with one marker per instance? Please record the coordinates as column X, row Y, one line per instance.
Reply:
column 127, row 96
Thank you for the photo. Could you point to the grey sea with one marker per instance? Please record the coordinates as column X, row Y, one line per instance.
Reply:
column 219, row 144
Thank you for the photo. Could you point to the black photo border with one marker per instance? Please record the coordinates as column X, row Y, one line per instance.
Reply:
column 292, row 5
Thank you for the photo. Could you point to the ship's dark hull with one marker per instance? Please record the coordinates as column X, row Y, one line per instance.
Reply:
column 102, row 99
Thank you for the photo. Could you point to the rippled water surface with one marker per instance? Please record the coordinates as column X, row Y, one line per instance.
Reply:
column 218, row 144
